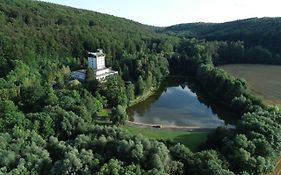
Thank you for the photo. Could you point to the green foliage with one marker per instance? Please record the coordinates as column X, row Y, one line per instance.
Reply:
column 115, row 91
column 140, row 86
column 69, row 32
column 130, row 89
column 253, row 147
column 190, row 54
column 235, row 52
column 232, row 92
column 144, row 70
column 23, row 152
column 119, row 115
column 11, row 116
column 263, row 32
column 91, row 82
column 66, row 123
column 93, row 152
column 42, row 123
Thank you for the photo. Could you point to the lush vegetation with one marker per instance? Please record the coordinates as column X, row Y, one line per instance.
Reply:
column 258, row 41
column 48, row 122
column 246, row 149
column 263, row 32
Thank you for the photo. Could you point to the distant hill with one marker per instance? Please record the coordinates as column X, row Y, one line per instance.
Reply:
column 254, row 31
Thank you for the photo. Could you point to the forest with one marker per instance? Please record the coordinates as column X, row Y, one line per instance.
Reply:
column 49, row 124
column 264, row 32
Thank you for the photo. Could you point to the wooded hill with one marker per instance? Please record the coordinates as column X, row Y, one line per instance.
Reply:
column 30, row 28
column 265, row 32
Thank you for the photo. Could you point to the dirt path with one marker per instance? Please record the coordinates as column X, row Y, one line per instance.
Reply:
column 277, row 169
column 172, row 127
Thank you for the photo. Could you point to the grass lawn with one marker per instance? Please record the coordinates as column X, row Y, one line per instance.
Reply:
column 263, row 80
column 190, row 139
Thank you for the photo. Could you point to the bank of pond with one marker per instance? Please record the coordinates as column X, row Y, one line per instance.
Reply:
column 192, row 140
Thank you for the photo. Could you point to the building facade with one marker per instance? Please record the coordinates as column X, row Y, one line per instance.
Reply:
column 96, row 61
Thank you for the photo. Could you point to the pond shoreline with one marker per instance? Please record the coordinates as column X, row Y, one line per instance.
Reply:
column 172, row 127
column 152, row 91
column 143, row 97
column 178, row 104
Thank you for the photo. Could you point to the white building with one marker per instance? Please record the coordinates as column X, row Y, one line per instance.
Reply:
column 96, row 61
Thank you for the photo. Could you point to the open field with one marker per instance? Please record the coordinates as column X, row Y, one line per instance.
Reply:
column 190, row 139
column 264, row 80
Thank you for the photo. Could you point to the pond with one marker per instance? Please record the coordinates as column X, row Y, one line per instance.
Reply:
column 178, row 102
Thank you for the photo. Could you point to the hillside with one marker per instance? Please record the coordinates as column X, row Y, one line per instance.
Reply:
column 38, row 28
column 46, row 116
column 265, row 32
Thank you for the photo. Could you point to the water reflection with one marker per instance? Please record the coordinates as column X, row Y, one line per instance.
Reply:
column 181, row 104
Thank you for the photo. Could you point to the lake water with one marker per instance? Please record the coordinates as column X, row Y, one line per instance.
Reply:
column 178, row 103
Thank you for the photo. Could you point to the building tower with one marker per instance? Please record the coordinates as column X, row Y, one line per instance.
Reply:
column 96, row 60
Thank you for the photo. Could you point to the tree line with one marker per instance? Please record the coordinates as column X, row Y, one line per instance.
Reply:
column 253, row 146
column 263, row 32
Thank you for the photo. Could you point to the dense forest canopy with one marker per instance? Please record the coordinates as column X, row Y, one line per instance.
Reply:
column 265, row 32
column 30, row 29
column 49, row 124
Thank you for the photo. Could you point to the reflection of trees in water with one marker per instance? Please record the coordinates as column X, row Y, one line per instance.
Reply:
column 217, row 108
column 144, row 106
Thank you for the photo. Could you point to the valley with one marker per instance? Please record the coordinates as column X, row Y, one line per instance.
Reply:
column 84, row 92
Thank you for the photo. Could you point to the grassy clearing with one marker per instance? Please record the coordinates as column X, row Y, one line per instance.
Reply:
column 103, row 113
column 264, row 80
column 190, row 139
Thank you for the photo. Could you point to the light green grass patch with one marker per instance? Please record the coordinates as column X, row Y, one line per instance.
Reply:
column 103, row 113
column 190, row 139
